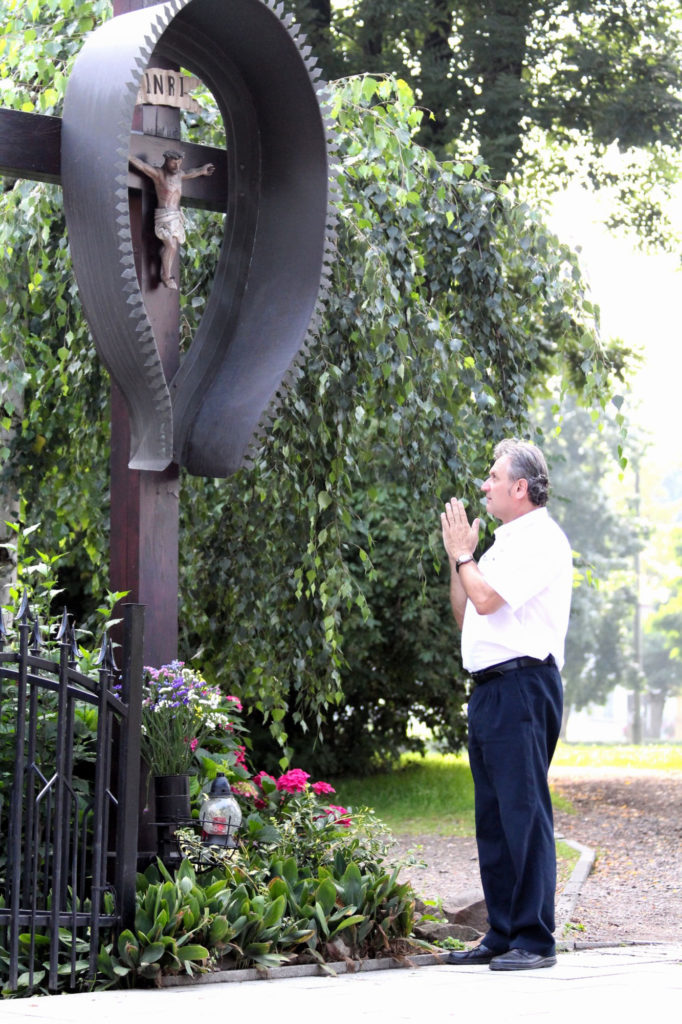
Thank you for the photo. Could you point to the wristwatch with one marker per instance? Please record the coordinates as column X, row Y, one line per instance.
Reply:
column 463, row 561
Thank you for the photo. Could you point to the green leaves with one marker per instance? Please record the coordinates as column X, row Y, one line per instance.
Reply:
column 450, row 308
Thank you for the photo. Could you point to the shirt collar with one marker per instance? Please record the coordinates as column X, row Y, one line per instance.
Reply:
column 524, row 522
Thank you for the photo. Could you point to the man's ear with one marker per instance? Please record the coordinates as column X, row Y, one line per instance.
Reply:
column 521, row 487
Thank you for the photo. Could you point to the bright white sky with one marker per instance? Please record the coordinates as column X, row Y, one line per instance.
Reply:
column 640, row 297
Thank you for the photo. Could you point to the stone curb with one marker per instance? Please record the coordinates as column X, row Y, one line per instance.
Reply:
column 306, row 970
column 565, row 904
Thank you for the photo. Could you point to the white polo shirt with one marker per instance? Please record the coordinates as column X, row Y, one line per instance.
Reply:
column 530, row 565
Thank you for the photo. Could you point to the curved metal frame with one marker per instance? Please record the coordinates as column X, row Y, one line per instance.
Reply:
column 277, row 234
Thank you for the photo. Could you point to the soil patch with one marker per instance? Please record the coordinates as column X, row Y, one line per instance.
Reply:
column 634, row 822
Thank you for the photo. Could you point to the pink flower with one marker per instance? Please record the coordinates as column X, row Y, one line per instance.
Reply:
column 237, row 703
column 340, row 815
column 320, row 788
column 262, row 775
column 293, row 781
column 193, row 744
column 240, row 756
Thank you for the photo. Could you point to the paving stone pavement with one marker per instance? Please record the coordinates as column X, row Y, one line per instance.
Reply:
column 625, row 983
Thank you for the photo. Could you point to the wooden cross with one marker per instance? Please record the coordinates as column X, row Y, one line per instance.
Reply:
column 286, row 254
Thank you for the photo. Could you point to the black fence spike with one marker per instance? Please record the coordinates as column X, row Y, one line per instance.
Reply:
column 74, row 653
column 101, row 657
column 111, row 660
column 63, row 627
column 24, row 610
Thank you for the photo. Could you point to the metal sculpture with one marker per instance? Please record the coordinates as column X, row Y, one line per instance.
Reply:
column 277, row 239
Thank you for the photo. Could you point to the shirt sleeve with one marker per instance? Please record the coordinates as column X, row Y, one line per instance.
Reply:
column 527, row 566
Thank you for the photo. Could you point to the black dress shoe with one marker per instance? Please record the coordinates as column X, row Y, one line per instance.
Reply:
column 521, row 960
column 478, row 955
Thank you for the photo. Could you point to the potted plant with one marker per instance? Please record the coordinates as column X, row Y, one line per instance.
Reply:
column 181, row 713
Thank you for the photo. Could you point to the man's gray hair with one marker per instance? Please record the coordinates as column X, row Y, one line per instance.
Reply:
column 526, row 462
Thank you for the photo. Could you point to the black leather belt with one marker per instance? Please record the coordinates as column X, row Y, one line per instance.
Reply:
column 508, row 666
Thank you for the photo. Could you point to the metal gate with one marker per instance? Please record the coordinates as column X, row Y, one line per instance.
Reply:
column 68, row 832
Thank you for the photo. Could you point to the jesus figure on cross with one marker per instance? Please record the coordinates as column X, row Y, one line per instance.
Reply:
column 169, row 222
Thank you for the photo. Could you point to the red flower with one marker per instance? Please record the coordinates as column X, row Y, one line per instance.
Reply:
column 293, row 781
column 340, row 815
column 320, row 788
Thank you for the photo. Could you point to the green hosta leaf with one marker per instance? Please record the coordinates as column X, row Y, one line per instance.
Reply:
column 325, row 895
column 255, row 950
column 79, row 966
column 274, row 913
column 219, row 930
column 278, row 887
column 321, row 919
column 348, row 922
column 192, row 953
column 152, row 953
column 352, row 891
column 128, row 949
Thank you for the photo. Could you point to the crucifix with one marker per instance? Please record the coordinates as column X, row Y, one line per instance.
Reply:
column 201, row 413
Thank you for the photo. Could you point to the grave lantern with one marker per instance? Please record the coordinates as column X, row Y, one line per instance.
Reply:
column 220, row 815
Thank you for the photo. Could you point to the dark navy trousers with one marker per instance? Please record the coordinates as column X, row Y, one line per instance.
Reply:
column 514, row 723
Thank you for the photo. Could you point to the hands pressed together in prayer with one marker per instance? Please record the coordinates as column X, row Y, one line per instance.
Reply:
column 459, row 536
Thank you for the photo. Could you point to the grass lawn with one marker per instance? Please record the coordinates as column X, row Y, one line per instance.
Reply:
column 430, row 795
column 434, row 795
column 662, row 756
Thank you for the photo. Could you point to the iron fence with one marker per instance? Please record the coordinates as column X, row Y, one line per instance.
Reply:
column 68, row 832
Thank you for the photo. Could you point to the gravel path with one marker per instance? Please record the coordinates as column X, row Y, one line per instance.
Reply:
column 634, row 822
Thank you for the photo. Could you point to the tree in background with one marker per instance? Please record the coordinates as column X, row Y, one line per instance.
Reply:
column 450, row 307
column 662, row 647
column 540, row 90
column 600, row 650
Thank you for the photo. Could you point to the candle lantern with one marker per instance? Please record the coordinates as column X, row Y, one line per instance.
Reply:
column 220, row 815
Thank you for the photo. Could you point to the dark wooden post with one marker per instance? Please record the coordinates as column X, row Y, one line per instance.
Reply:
column 145, row 505
column 129, row 763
